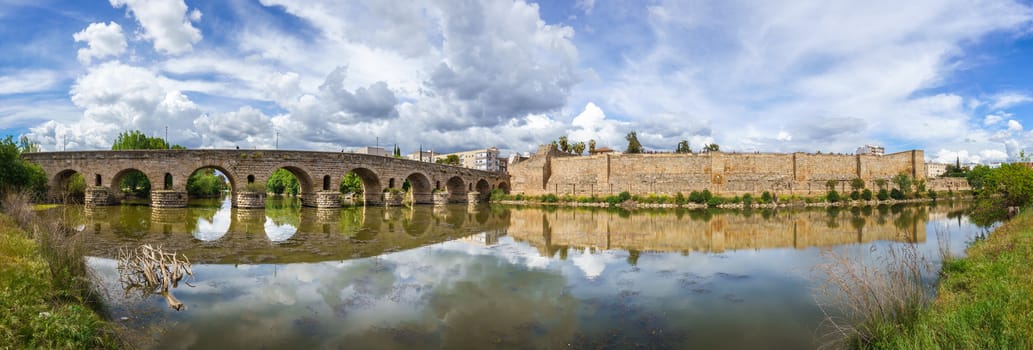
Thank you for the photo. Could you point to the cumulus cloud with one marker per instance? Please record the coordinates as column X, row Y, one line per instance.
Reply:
column 115, row 97
column 165, row 22
column 1014, row 125
column 591, row 124
column 994, row 119
column 102, row 40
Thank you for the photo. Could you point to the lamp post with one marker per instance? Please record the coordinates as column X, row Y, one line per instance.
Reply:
column 277, row 140
column 167, row 146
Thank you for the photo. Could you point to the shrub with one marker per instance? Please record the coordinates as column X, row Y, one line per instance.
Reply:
column 855, row 195
column 497, row 195
column 897, row 194
column 715, row 201
column 883, row 195
column 747, row 199
column 765, row 197
column 832, row 196
column 679, row 198
column 623, row 196
column 706, row 195
column 550, row 198
column 866, row 194
column 695, row 197
column 932, row 195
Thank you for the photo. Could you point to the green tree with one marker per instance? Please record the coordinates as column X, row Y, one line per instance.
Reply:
column 831, row 185
column 711, row 147
column 591, row 146
column 857, row 184
column 977, row 176
column 351, row 183
column 633, row 145
column 450, row 159
column 564, row 144
column 683, row 147
column 17, row 174
column 283, row 181
column 903, row 182
column 27, row 146
column 206, row 183
column 578, row 148
column 880, row 183
column 1014, row 183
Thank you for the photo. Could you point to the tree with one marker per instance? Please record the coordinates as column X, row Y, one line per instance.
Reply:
column 683, row 147
column 831, row 185
column 578, row 148
column 633, row 145
column 880, row 183
column 27, row 146
column 711, row 147
column 977, row 176
column 283, row 181
column 1014, row 182
column 397, row 152
column 451, row 159
column 17, row 174
column 564, row 145
column 903, row 182
column 351, row 183
column 857, row 184
column 205, row 183
column 591, row 146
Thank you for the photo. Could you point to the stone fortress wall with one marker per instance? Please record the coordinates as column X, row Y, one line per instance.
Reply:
column 552, row 171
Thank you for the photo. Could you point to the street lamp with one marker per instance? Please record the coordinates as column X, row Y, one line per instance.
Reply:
column 277, row 140
column 167, row 137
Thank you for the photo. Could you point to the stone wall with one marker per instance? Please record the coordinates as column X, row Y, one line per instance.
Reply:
column 550, row 171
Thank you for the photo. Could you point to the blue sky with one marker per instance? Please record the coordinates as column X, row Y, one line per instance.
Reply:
column 950, row 77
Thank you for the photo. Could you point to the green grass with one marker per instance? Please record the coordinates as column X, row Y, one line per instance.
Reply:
column 36, row 313
column 984, row 301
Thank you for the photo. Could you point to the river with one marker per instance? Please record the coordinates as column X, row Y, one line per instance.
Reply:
column 489, row 276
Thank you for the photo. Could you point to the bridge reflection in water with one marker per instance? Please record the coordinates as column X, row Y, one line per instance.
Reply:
column 285, row 232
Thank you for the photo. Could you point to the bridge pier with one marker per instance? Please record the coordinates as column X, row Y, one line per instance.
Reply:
column 327, row 199
column 249, row 199
column 168, row 199
column 392, row 199
column 422, row 198
column 473, row 197
column 97, row 196
column 440, row 198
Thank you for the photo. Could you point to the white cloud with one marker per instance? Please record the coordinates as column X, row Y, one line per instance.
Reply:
column 102, row 40
column 1009, row 99
column 27, row 81
column 1014, row 125
column 591, row 124
column 994, row 119
column 164, row 22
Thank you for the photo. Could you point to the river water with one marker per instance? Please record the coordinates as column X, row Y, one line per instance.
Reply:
column 475, row 277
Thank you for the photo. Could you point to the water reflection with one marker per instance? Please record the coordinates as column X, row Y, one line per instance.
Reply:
column 499, row 277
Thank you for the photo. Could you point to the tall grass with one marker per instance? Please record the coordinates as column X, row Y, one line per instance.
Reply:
column 865, row 298
column 48, row 284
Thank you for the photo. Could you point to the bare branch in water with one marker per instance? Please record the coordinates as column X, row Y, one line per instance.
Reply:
column 151, row 270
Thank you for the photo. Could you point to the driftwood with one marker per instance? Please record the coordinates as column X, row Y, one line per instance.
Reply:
column 151, row 270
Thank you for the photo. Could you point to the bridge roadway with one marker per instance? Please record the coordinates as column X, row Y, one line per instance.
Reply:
column 319, row 174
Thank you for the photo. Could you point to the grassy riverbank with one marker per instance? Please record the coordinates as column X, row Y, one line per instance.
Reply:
column 984, row 301
column 42, row 293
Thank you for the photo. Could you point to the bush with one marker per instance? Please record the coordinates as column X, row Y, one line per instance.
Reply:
column 897, row 194
column 623, row 196
column 706, row 195
column 696, row 197
column 550, row 198
column 866, row 194
column 883, row 195
column 832, row 196
column 679, row 198
column 855, row 195
column 747, row 199
column 932, row 195
column 765, row 197
column 715, row 201
column 497, row 195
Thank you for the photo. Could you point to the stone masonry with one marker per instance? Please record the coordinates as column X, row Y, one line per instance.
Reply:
column 552, row 171
column 319, row 174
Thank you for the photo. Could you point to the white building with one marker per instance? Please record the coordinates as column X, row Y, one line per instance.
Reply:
column 427, row 156
column 872, row 150
column 481, row 159
column 935, row 169
column 376, row 151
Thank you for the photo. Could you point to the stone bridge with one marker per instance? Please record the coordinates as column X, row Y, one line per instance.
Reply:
column 318, row 173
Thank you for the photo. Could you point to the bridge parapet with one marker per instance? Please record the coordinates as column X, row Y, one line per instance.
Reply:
column 318, row 173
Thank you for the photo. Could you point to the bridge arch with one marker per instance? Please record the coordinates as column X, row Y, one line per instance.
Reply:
column 304, row 180
column 60, row 183
column 371, row 187
column 420, row 187
column 483, row 187
column 504, row 186
column 456, row 189
column 116, row 181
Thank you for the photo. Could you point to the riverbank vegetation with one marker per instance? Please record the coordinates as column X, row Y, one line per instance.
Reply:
column 983, row 300
column 45, row 291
